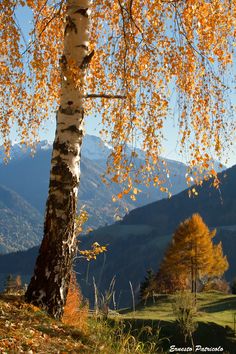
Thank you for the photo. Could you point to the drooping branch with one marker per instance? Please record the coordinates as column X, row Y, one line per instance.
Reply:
column 47, row 23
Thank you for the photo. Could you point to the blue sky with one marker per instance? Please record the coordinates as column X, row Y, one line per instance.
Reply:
column 93, row 126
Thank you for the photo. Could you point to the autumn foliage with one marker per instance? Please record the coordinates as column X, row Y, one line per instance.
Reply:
column 143, row 51
column 217, row 284
column 76, row 309
column 191, row 259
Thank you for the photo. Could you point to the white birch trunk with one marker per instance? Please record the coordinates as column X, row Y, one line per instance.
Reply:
column 49, row 285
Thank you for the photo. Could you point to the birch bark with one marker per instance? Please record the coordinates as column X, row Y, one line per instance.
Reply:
column 49, row 285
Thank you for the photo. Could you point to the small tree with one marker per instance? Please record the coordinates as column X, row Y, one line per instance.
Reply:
column 9, row 284
column 146, row 283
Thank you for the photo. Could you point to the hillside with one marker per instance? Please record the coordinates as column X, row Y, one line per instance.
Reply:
column 133, row 248
column 27, row 329
column 20, row 223
column 215, row 319
column 216, row 206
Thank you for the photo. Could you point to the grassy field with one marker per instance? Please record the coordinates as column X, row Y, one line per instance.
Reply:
column 215, row 317
column 212, row 307
column 27, row 329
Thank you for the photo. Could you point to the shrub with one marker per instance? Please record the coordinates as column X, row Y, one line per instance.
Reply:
column 185, row 310
column 217, row 284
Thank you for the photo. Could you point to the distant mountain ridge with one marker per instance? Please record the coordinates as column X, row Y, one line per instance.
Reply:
column 93, row 148
column 29, row 177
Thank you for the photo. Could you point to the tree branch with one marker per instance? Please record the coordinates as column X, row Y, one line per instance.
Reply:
column 95, row 95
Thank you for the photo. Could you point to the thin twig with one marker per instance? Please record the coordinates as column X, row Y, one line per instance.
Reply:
column 95, row 95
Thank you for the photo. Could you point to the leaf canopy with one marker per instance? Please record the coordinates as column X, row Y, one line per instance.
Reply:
column 160, row 56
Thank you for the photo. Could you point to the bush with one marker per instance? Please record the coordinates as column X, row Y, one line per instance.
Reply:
column 218, row 285
column 185, row 310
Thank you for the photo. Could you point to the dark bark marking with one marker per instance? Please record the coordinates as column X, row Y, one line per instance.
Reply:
column 62, row 147
column 65, row 149
column 87, row 59
column 73, row 129
column 70, row 25
column 83, row 12
column 63, row 62
column 70, row 111
column 82, row 46
column 63, row 170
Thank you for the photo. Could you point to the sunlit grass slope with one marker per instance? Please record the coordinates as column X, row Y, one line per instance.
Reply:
column 213, row 307
column 216, row 313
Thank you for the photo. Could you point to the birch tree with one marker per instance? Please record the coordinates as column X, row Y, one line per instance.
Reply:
column 121, row 60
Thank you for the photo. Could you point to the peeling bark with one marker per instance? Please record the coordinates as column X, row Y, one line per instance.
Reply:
column 49, row 285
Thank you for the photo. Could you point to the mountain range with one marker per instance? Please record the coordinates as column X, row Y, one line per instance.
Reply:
column 28, row 177
column 139, row 240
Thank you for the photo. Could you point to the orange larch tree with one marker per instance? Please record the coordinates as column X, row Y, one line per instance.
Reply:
column 122, row 60
column 191, row 256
